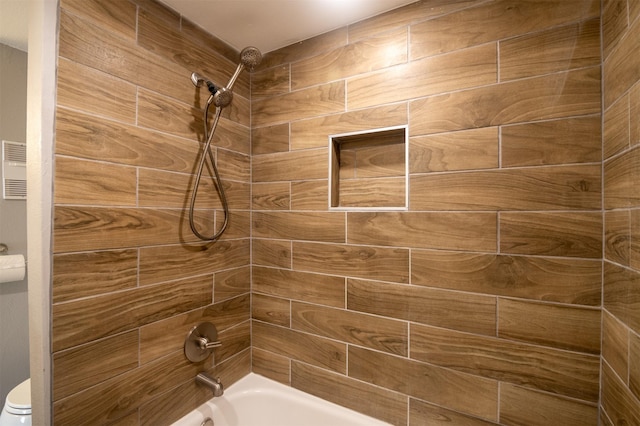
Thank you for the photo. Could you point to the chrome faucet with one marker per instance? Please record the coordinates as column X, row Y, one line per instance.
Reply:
column 214, row 384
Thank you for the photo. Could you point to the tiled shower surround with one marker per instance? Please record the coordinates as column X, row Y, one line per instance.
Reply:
column 484, row 302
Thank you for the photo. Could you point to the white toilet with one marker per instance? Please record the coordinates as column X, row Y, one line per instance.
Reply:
column 17, row 406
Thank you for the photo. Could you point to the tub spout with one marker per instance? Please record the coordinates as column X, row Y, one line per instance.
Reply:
column 214, row 384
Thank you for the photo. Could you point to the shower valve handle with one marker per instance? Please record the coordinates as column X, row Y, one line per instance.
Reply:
column 205, row 344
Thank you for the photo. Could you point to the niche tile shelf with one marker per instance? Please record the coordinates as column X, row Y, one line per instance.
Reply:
column 369, row 170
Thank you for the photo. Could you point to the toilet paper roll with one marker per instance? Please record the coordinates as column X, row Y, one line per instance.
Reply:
column 12, row 268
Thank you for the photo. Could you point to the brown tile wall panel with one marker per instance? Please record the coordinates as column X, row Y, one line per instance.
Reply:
column 618, row 403
column 454, row 231
column 576, row 234
column 271, row 81
column 382, row 263
column 557, row 95
column 615, row 344
column 558, row 326
column 85, row 136
column 315, row 132
column 424, row 413
column 318, row 351
column 310, row 195
column 620, row 68
column 569, row 47
column 499, row 19
column 81, row 367
column 116, row 100
column 354, row 58
column 622, row 294
column 620, row 174
column 312, row 288
column 354, row 328
column 295, row 165
column 634, row 239
column 445, row 387
column 271, row 196
column 267, row 140
column 323, row 99
column 85, row 320
column 372, row 192
column 571, row 374
column 270, row 365
column 464, row 150
column 563, row 141
column 327, row 227
column 634, row 365
column 448, row 309
column 573, row 281
column 615, row 22
column 146, row 131
column 370, row 400
column 474, row 67
column 523, row 406
column 615, row 138
column 617, row 236
column 634, row 111
column 79, row 275
column 271, row 253
column 569, row 187
column 272, row 310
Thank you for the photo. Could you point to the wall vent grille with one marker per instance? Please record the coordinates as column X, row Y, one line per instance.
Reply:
column 14, row 170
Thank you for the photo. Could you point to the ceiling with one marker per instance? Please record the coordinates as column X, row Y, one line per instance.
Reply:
column 265, row 24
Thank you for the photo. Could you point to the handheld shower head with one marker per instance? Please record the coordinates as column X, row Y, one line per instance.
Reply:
column 197, row 81
column 250, row 57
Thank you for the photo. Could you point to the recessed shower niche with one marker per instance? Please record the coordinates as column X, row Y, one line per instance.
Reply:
column 369, row 170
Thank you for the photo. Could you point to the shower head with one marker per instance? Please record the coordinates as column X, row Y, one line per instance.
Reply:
column 197, row 81
column 250, row 57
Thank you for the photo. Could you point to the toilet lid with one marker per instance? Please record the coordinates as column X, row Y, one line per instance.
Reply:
column 20, row 396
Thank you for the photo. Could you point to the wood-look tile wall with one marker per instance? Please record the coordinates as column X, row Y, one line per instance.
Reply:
column 482, row 303
column 620, row 394
column 129, row 279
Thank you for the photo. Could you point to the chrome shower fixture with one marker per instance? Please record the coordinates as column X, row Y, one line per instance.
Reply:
column 197, row 81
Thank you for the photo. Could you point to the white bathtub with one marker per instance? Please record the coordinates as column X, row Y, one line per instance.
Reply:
column 257, row 401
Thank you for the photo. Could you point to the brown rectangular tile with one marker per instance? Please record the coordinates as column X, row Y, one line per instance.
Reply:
column 447, row 388
column 271, row 81
column 616, row 138
column 557, row 95
column 523, row 406
column 96, row 138
column 620, row 293
column 572, row 281
column 634, row 238
column 575, row 187
column 618, row 172
column 620, row 67
column 323, row 99
column 314, row 132
column 489, row 21
column 165, row 114
column 164, row 189
column 306, row 287
column 299, row 346
column 424, row 413
column 85, row 320
column 615, row 344
column 267, row 140
column 617, row 235
column 454, row 231
column 320, row 226
column 448, row 309
column 370, row 400
column 351, row 327
column 619, row 404
column 558, row 49
column 572, row 328
column 563, row 141
column 270, row 365
column 380, row 263
column 372, row 192
column 270, row 196
column 464, row 150
column 367, row 55
column 556, row 371
column 84, row 366
column 634, row 111
column 273, row 310
column 234, row 165
column 634, row 365
column 231, row 283
column 310, row 195
column 115, row 17
column 473, row 67
column 576, row 234
column 113, row 98
column 167, row 262
column 79, row 275
column 295, row 165
column 269, row 252
column 614, row 24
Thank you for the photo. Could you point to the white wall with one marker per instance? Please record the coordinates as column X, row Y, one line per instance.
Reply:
column 14, row 320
